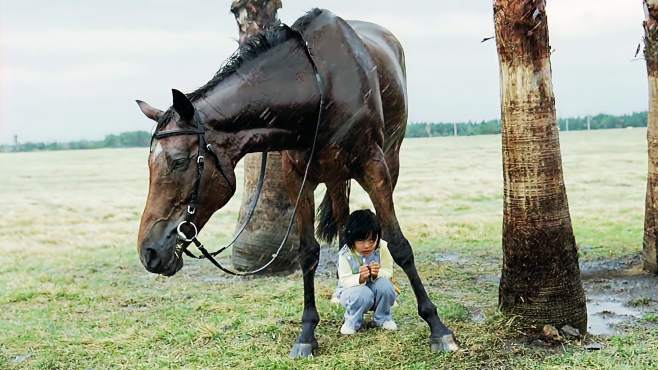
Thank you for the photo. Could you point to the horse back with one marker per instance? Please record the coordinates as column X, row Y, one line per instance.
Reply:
column 363, row 67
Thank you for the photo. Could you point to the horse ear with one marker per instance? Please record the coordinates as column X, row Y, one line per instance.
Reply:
column 183, row 105
column 149, row 111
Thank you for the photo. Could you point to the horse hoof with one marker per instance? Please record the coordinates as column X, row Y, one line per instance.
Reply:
column 302, row 350
column 445, row 343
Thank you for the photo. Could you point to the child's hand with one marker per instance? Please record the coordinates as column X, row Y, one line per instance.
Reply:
column 374, row 270
column 364, row 274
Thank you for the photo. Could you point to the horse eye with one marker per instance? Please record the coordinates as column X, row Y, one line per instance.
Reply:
column 180, row 163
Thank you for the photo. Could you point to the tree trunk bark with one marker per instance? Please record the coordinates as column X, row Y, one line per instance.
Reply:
column 254, row 16
column 269, row 223
column 540, row 280
column 651, row 204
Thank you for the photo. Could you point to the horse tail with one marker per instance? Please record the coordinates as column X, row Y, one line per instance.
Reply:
column 333, row 211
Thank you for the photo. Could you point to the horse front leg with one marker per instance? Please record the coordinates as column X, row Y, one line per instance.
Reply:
column 377, row 182
column 309, row 256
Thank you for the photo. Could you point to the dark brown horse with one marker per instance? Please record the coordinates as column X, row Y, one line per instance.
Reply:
column 266, row 99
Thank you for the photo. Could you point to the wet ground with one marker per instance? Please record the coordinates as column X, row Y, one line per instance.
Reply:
column 619, row 294
column 328, row 261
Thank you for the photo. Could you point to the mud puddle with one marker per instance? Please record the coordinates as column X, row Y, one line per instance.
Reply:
column 619, row 295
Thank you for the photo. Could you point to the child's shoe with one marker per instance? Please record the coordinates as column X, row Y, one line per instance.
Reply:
column 346, row 329
column 389, row 325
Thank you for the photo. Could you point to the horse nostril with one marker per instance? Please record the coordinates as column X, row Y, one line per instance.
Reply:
column 152, row 259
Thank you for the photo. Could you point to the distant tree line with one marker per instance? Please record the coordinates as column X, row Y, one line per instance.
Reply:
column 135, row 139
column 492, row 127
column 131, row 139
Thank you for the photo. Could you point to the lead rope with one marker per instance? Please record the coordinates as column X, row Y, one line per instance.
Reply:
column 211, row 256
column 191, row 208
column 252, row 208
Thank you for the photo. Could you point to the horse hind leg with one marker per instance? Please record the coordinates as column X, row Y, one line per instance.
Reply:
column 309, row 257
column 393, row 164
column 377, row 182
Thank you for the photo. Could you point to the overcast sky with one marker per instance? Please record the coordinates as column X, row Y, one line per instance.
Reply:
column 72, row 69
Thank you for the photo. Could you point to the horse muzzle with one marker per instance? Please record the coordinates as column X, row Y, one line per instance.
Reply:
column 161, row 257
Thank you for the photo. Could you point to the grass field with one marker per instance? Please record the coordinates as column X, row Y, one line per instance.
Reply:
column 74, row 295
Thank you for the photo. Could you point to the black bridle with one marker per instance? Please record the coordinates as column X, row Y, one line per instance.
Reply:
column 204, row 147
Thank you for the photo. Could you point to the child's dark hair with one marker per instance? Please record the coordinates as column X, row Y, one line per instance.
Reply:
column 362, row 225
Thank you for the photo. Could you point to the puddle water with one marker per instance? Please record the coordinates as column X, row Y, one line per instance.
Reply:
column 604, row 314
column 618, row 293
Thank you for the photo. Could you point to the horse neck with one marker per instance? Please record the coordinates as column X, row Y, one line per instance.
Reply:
column 267, row 108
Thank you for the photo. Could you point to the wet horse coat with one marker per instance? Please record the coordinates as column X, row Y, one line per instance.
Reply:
column 265, row 99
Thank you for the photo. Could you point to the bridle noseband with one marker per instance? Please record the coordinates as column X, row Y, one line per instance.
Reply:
column 204, row 147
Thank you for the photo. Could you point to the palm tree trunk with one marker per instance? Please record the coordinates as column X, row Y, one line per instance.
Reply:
column 651, row 204
column 268, row 225
column 540, row 281
column 254, row 16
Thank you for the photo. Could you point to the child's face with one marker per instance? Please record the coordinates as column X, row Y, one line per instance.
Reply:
column 365, row 247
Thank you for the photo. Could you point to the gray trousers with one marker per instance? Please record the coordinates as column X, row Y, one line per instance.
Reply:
column 378, row 295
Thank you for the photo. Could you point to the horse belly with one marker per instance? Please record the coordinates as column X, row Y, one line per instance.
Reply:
column 331, row 163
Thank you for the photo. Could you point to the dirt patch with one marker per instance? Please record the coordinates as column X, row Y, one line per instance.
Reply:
column 328, row 261
column 477, row 315
column 603, row 268
column 455, row 258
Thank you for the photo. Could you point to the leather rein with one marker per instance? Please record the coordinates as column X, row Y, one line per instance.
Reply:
column 204, row 147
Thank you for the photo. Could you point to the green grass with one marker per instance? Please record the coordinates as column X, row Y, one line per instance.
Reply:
column 651, row 317
column 74, row 295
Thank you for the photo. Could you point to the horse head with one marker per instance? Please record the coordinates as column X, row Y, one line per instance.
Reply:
column 261, row 100
column 173, row 175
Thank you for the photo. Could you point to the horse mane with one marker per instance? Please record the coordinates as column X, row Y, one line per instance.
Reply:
column 253, row 47
column 250, row 50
